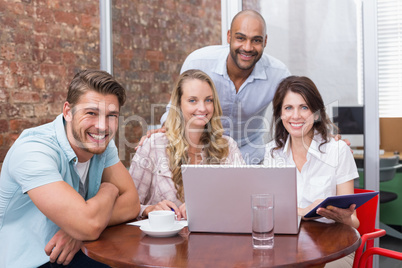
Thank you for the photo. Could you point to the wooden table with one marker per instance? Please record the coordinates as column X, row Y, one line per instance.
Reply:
column 316, row 244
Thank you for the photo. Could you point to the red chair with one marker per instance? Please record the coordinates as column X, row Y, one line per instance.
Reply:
column 367, row 215
column 367, row 255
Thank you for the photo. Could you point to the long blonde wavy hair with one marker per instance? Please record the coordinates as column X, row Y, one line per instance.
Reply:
column 214, row 145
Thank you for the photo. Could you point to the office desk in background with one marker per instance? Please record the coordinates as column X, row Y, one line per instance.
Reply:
column 386, row 154
column 316, row 244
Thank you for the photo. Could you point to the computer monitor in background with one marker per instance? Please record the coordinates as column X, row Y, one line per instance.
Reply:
column 350, row 121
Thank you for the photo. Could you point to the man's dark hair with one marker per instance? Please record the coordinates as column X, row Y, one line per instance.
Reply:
column 96, row 80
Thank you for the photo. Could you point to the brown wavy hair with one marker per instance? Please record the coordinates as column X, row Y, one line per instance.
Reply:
column 307, row 89
column 96, row 80
column 215, row 146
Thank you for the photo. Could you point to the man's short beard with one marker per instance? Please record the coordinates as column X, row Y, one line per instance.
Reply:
column 79, row 143
column 234, row 55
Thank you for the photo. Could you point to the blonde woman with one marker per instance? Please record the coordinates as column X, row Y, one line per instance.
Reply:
column 193, row 136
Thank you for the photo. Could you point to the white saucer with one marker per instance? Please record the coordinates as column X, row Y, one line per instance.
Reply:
column 146, row 228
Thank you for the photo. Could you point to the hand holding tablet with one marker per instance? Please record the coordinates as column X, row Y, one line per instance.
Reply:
column 342, row 201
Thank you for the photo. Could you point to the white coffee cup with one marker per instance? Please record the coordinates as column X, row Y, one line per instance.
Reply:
column 161, row 219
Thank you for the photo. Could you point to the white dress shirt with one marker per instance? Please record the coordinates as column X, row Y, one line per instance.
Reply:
column 326, row 167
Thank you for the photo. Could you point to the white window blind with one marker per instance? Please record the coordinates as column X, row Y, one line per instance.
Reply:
column 389, row 21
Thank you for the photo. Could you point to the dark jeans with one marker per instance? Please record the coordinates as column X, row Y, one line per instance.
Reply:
column 80, row 260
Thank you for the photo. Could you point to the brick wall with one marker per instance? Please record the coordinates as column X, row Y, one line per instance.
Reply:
column 151, row 41
column 44, row 42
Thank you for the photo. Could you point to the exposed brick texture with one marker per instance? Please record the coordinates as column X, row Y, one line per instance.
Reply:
column 151, row 41
column 44, row 43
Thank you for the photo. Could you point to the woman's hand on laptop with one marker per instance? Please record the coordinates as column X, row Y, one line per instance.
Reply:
column 183, row 212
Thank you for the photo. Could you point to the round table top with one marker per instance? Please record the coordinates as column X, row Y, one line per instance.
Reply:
column 316, row 243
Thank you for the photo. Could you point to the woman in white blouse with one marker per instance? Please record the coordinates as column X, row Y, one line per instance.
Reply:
column 303, row 138
column 194, row 135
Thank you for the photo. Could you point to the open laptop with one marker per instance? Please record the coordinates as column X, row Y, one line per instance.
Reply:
column 218, row 197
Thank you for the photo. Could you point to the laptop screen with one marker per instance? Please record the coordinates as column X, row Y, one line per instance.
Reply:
column 218, row 197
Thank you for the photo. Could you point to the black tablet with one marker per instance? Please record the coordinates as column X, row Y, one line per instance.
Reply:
column 342, row 201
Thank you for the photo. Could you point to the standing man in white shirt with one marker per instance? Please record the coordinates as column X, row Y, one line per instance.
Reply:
column 246, row 81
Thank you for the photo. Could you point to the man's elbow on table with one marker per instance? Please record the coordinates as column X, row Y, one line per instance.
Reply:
column 88, row 229
column 131, row 210
column 92, row 232
column 135, row 201
column 127, row 207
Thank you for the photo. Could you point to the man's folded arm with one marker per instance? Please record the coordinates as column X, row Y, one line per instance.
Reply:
column 82, row 220
column 127, row 205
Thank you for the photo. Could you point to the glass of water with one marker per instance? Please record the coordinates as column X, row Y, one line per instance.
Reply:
column 262, row 206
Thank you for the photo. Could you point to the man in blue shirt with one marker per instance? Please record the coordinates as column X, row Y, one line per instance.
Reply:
column 62, row 183
column 246, row 81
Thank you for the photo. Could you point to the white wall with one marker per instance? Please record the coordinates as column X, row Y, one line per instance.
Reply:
column 318, row 39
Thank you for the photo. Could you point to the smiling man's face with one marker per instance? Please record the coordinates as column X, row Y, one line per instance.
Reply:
column 91, row 123
column 247, row 40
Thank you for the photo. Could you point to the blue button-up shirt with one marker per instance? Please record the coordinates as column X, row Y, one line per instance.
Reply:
column 244, row 112
column 41, row 155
